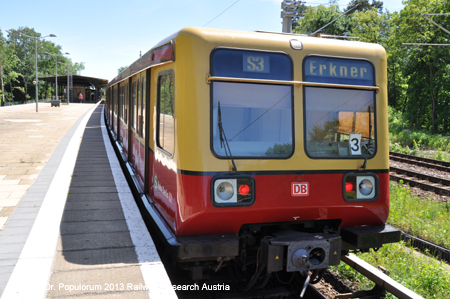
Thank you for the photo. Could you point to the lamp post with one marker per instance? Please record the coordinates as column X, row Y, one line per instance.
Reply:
column 35, row 44
column 68, row 82
column 56, row 69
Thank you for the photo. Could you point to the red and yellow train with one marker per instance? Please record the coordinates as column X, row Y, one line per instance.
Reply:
column 257, row 148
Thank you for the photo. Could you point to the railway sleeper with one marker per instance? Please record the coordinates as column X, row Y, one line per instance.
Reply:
column 376, row 293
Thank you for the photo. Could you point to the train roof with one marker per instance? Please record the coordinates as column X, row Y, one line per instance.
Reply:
column 163, row 51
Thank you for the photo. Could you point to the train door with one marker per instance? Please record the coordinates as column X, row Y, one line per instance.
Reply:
column 125, row 113
column 114, row 106
column 146, row 128
column 120, row 113
column 164, row 175
column 137, row 151
column 132, row 157
column 140, row 165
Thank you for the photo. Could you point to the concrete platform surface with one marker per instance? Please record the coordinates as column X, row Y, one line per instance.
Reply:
column 76, row 232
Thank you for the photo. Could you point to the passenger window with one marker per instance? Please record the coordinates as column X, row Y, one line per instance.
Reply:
column 125, row 106
column 143, row 109
column 166, row 113
column 133, row 107
column 138, row 110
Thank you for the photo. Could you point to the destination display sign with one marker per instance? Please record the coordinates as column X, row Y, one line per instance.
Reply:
column 257, row 63
column 338, row 71
column 251, row 64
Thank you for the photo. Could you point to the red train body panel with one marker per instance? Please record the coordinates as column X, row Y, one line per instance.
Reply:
column 311, row 172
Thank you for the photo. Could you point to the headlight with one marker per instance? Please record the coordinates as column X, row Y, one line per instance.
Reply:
column 232, row 191
column 360, row 187
column 225, row 191
column 365, row 187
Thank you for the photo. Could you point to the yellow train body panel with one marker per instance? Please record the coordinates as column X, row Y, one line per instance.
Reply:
column 193, row 47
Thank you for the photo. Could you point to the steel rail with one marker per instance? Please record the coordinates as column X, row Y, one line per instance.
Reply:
column 313, row 293
column 420, row 163
column 421, row 176
column 394, row 155
column 427, row 247
column 421, row 185
column 379, row 278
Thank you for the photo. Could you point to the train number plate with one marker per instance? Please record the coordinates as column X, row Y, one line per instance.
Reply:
column 300, row 189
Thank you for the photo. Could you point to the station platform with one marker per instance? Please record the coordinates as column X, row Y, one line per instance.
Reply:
column 70, row 227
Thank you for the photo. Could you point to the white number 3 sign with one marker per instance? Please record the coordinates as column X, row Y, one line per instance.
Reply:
column 355, row 144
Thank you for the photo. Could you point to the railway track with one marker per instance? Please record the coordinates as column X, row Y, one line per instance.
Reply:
column 420, row 161
column 426, row 182
column 382, row 280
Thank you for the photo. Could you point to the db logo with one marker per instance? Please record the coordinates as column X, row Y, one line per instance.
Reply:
column 300, row 189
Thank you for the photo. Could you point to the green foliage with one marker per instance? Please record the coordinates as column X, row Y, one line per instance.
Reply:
column 403, row 138
column 418, row 76
column 121, row 69
column 314, row 18
column 424, row 218
column 18, row 60
column 421, row 274
column 371, row 26
column 364, row 5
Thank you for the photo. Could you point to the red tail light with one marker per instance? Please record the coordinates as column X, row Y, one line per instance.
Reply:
column 348, row 186
column 244, row 190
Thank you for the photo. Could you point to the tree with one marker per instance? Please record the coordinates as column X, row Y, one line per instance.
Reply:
column 17, row 58
column 2, row 91
column 364, row 5
column 426, row 68
column 25, row 52
column 121, row 69
column 371, row 26
column 315, row 18
column 9, row 76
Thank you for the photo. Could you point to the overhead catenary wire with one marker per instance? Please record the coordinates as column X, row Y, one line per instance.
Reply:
column 335, row 20
column 221, row 13
column 423, row 44
column 424, row 16
column 304, row 2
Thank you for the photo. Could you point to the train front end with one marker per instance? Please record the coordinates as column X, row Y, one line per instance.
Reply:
column 281, row 150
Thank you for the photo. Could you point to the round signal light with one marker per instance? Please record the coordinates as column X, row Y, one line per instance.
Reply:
column 365, row 187
column 244, row 190
column 225, row 191
column 348, row 186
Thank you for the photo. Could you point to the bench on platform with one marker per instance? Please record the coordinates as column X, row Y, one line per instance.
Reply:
column 56, row 103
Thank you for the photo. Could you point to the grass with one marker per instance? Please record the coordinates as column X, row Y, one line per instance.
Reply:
column 414, row 142
column 421, row 274
column 424, row 275
column 424, row 218
column 400, row 133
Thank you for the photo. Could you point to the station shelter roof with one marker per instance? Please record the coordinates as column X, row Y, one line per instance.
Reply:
column 77, row 81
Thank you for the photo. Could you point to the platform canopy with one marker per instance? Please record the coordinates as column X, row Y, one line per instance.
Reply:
column 77, row 81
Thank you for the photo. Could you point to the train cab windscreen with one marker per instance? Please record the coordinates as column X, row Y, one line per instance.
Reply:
column 257, row 119
column 339, row 122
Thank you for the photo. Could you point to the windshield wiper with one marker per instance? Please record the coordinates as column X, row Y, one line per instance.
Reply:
column 367, row 146
column 223, row 140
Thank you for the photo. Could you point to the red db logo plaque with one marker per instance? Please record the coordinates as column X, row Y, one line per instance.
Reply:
column 300, row 189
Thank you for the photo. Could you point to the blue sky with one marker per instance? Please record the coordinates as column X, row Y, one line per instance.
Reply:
column 108, row 34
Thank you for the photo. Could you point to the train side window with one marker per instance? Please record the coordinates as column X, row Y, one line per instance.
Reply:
column 133, row 106
column 121, row 101
column 166, row 112
column 125, row 105
column 143, row 108
column 138, row 110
